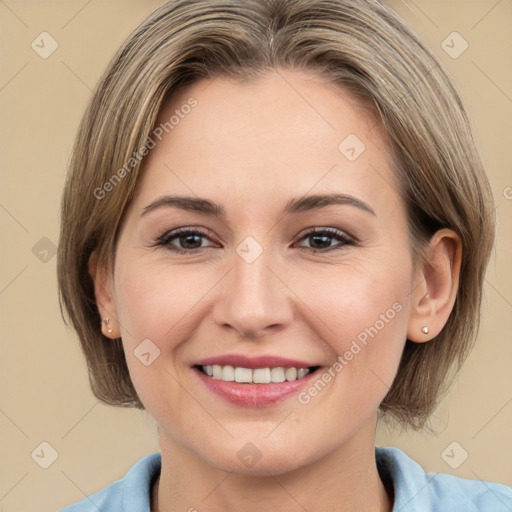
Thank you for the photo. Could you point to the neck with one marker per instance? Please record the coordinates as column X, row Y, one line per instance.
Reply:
column 346, row 479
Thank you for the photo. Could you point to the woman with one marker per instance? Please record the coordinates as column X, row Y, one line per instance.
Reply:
column 275, row 230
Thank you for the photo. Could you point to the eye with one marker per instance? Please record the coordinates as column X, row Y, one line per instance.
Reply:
column 321, row 238
column 183, row 240
column 190, row 241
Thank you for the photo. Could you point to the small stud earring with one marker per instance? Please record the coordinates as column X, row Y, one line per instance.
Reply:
column 106, row 322
column 424, row 330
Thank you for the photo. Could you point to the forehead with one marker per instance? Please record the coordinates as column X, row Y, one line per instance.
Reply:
column 284, row 132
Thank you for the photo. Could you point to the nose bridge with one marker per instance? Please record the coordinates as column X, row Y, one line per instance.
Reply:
column 254, row 298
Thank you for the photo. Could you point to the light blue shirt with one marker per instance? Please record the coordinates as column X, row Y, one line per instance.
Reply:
column 415, row 490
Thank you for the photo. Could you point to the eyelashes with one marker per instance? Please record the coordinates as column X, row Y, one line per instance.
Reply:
column 194, row 237
column 180, row 234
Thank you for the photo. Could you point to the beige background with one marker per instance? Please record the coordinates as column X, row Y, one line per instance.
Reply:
column 44, row 388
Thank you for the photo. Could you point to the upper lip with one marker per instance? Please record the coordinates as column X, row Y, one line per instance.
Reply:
column 243, row 361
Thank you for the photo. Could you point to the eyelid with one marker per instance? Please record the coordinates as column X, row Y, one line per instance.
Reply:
column 174, row 233
column 343, row 237
column 325, row 229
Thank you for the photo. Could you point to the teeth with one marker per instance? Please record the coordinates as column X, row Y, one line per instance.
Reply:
column 262, row 376
column 228, row 373
column 256, row 376
column 217, row 371
column 302, row 372
column 290, row 374
column 277, row 374
column 243, row 375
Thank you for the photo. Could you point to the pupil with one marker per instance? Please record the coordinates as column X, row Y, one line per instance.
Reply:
column 318, row 240
column 187, row 240
column 325, row 239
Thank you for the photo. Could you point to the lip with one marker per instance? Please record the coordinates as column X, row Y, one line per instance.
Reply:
column 254, row 395
column 243, row 361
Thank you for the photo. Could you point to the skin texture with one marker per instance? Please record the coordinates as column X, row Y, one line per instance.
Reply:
column 252, row 147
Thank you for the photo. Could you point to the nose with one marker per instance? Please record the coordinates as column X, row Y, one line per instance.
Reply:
column 255, row 300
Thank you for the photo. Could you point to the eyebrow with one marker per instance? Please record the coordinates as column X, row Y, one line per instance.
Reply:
column 294, row 206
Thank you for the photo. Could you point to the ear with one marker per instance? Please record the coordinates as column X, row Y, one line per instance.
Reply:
column 436, row 289
column 104, row 298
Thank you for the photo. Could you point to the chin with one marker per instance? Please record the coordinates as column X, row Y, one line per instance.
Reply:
column 273, row 465
column 259, row 459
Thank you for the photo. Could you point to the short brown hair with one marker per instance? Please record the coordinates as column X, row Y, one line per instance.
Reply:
column 359, row 44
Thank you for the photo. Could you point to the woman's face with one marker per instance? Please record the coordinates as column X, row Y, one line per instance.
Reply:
column 249, row 284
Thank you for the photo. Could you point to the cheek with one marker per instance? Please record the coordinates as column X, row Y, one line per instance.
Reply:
column 361, row 304
column 154, row 301
column 363, row 316
column 157, row 303
column 357, row 313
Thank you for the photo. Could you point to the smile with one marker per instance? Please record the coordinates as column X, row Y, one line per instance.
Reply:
column 249, row 381
column 267, row 375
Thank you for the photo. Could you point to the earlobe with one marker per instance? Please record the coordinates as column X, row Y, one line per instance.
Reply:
column 436, row 288
column 104, row 299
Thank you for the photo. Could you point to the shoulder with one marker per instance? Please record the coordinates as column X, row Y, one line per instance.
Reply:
column 132, row 492
column 417, row 490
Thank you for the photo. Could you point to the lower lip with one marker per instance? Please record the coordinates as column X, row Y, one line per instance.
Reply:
column 254, row 395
